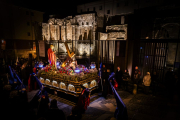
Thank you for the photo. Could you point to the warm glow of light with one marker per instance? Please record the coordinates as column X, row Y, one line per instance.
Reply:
column 41, row 80
column 85, row 85
column 93, row 83
column 47, row 81
column 62, row 86
column 71, row 88
column 54, row 83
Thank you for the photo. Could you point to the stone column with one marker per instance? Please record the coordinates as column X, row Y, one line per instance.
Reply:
column 59, row 32
column 77, row 32
column 49, row 34
column 73, row 32
column 93, row 33
column 65, row 27
column 63, row 33
column 91, row 28
column 80, row 33
column 55, row 32
column 69, row 32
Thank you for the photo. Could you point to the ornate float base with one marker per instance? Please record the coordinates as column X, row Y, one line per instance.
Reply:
column 69, row 86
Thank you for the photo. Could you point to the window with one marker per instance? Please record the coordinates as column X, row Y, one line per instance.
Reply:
column 117, row 5
column 87, row 23
column 88, row 9
column 94, row 9
column 28, row 23
column 27, row 13
column 126, row 3
column 81, row 10
column 32, row 14
column 100, row 7
column 108, row 11
column 82, row 23
column 28, row 33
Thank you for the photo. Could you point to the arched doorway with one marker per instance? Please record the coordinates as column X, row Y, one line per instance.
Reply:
column 168, row 31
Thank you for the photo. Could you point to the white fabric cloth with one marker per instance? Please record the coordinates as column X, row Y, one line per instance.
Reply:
column 147, row 80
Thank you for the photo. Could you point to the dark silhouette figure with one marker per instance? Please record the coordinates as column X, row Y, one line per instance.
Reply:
column 136, row 78
column 75, row 114
column 169, row 83
column 54, row 112
column 84, row 100
column 126, row 78
column 119, row 75
column 154, row 83
column 121, row 110
column 43, row 106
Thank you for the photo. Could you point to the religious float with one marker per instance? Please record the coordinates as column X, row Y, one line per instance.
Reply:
column 68, row 77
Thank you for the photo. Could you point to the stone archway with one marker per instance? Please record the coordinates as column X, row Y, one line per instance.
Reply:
column 168, row 31
column 85, row 36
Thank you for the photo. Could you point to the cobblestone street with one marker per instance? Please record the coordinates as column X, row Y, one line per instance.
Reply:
column 139, row 107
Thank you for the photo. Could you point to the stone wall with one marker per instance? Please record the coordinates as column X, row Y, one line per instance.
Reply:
column 45, row 31
column 103, row 36
column 76, row 28
column 114, row 32
column 80, row 27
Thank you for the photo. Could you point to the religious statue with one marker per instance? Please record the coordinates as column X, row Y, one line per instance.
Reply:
column 69, row 58
column 51, row 56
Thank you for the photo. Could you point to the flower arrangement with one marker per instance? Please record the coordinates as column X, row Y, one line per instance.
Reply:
column 66, row 73
column 65, row 70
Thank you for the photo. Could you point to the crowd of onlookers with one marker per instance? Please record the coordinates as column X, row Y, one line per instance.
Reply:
column 150, row 84
column 15, row 102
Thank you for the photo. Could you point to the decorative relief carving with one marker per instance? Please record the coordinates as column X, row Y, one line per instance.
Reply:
column 71, row 88
column 116, row 32
column 93, row 83
column 51, row 29
column 41, row 80
column 72, row 29
column 62, row 86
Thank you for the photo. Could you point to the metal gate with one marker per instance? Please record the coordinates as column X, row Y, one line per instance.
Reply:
column 152, row 58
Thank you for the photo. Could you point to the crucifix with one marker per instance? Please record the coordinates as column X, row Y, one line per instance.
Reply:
column 70, row 56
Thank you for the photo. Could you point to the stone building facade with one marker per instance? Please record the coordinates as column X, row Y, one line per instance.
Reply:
column 115, row 32
column 80, row 27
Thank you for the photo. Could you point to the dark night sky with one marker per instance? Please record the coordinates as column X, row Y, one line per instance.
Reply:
column 61, row 7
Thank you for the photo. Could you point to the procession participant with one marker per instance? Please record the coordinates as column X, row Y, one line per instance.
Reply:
column 136, row 79
column 118, row 76
column 113, row 82
column 147, row 82
column 126, row 78
column 54, row 112
column 51, row 56
column 84, row 100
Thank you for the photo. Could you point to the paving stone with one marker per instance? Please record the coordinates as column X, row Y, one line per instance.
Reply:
column 92, row 113
column 104, row 117
column 139, row 107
